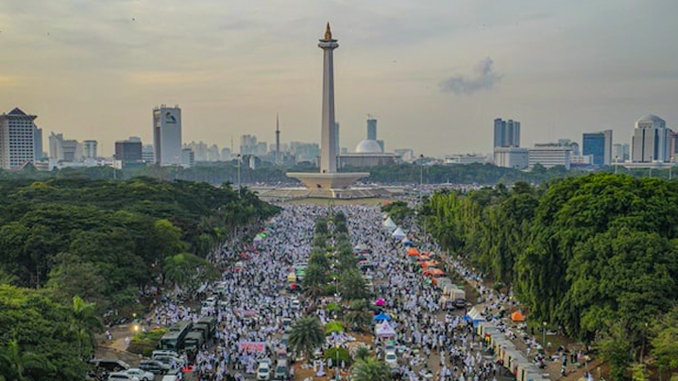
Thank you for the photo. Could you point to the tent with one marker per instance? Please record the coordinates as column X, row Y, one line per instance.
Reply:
column 385, row 330
column 428, row 264
column 389, row 225
column 381, row 317
column 413, row 251
column 517, row 316
column 473, row 316
column 398, row 233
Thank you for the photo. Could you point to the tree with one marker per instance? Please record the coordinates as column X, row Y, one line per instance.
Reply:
column 188, row 270
column 306, row 335
column 362, row 353
column 19, row 365
column 665, row 344
column 371, row 369
column 85, row 323
column 352, row 286
column 615, row 348
column 358, row 316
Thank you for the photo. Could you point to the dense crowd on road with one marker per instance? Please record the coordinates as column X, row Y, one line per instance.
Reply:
column 432, row 343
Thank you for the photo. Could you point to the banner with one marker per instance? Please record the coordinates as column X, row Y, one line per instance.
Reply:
column 253, row 346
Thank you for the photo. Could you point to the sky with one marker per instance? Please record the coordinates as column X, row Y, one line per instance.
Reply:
column 435, row 73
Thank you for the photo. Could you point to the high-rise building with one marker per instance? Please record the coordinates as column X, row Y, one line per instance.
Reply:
column 72, row 150
column 55, row 150
column 128, row 151
column 248, row 145
column 17, row 139
column 37, row 145
column 371, row 128
column 167, row 135
column 225, row 154
column 598, row 144
column 148, row 154
column 651, row 140
column 68, row 150
column 187, row 157
column 506, row 133
column 89, row 148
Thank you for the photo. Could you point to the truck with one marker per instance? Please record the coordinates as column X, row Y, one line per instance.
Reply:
column 194, row 341
column 208, row 324
column 174, row 338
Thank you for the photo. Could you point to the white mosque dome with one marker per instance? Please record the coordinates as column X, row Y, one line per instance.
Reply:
column 368, row 146
column 652, row 121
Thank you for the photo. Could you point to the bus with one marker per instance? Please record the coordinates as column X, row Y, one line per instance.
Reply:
column 174, row 338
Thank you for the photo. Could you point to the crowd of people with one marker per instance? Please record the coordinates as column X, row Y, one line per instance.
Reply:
column 433, row 343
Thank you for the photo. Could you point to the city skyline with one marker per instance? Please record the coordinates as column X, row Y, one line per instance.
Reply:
column 561, row 69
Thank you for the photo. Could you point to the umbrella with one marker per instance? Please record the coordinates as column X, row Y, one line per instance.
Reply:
column 382, row 317
column 380, row 302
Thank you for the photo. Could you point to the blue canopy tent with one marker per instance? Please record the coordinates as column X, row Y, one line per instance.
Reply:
column 474, row 316
column 381, row 317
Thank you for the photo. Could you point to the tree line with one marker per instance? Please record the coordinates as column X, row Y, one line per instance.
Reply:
column 217, row 173
column 595, row 255
column 74, row 245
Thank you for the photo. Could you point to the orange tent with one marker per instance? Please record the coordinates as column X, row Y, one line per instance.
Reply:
column 518, row 316
column 429, row 264
column 413, row 252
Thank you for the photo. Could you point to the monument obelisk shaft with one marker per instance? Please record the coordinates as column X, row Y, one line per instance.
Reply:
column 328, row 153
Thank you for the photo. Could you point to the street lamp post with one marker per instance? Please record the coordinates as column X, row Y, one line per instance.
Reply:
column 543, row 337
column 651, row 163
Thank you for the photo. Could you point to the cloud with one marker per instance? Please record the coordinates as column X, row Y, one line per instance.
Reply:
column 485, row 79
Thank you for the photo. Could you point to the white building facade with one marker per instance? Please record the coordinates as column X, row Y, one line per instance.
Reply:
column 167, row 135
column 651, row 141
column 549, row 156
column 511, row 157
column 17, row 139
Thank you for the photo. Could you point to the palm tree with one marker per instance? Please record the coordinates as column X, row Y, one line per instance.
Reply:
column 352, row 285
column 362, row 353
column 314, row 292
column 7, row 278
column 85, row 323
column 14, row 363
column 306, row 335
column 371, row 369
column 358, row 315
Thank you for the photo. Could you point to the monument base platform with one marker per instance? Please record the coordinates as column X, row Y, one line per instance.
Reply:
column 314, row 181
column 289, row 194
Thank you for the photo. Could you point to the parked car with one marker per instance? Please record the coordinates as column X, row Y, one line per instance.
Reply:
column 154, row 366
column 142, row 375
column 111, row 365
column 391, row 359
column 118, row 376
column 264, row 371
column 280, row 370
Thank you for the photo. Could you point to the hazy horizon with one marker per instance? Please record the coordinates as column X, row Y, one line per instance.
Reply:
column 435, row 74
